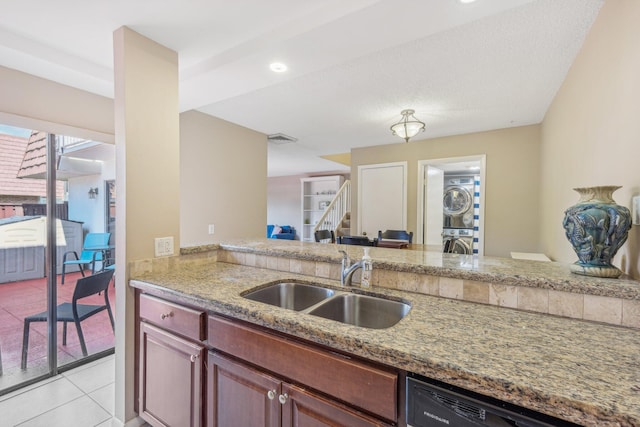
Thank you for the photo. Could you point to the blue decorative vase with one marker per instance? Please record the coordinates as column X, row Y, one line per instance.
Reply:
column 596, row 227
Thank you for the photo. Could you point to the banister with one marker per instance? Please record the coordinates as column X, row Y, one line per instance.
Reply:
column 340, row 204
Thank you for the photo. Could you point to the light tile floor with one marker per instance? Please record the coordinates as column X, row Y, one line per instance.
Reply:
column 81, row 397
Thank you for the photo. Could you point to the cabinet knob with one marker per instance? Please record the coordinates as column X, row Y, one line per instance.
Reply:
column 166, row 315
column 194, row 357
column 271, row 394
column 283, row 398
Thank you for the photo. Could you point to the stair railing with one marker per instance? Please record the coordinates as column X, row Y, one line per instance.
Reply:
column 336, row 210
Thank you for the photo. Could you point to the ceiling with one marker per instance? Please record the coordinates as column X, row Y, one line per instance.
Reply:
column 353, row 64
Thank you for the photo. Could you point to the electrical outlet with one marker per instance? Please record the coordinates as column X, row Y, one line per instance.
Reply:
column 212, row 228
column 164, row 246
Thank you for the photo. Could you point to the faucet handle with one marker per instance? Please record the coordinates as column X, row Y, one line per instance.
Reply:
column 345, row 258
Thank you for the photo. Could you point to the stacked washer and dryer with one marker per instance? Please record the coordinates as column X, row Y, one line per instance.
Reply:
column 460, row 202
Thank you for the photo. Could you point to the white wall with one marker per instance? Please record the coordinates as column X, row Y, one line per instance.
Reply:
column 83, row 209
column 91, row 212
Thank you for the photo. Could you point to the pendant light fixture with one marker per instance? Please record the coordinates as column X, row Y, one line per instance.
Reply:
column 408, row 126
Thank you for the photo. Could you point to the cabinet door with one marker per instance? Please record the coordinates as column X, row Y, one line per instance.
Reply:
column 240, row 396
column 303, row 408
column 171, row 370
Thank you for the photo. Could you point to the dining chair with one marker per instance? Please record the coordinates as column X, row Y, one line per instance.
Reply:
column 395, row 235
column 74, row 312
column 324, row 235
column 356, row 240
column 93, row 248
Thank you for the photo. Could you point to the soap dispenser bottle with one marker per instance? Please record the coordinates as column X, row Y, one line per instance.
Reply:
column 367, row 268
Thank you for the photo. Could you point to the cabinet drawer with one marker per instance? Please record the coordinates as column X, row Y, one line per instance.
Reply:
column 173, row 317
column 359, row 384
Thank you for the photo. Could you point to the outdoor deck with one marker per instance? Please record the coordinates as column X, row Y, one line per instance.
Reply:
column 20, row 299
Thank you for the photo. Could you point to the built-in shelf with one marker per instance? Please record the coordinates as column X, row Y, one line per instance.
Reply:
column 317, row 194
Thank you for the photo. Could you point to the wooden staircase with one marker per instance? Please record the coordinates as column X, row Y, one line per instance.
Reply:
column 337, row 216
column 344, row 228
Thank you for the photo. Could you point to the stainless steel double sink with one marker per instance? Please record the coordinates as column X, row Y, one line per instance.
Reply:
column 346, row 307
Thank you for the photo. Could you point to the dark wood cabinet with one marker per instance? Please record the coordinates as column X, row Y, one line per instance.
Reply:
column 371, row 388
column 240, row 395
column 171, row 372
column 303, row 408
column 196, row 370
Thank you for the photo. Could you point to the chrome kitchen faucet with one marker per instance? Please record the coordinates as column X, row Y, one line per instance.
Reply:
column 348, row 269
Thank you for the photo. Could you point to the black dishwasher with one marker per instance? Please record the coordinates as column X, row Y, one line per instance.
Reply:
column 432, row 404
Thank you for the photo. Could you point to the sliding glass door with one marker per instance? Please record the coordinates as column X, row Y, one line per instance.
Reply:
column 24, row 272
column 50, row 202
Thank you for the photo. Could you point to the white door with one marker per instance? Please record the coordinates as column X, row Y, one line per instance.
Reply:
column 382, row 198
column 433, row 205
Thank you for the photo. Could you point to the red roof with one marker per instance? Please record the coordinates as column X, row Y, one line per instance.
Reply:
column 20, row 154
column 35, row 156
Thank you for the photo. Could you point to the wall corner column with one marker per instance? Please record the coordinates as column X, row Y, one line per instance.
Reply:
column 147, row 133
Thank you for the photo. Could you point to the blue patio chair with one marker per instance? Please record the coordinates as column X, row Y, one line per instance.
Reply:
column 93, row 249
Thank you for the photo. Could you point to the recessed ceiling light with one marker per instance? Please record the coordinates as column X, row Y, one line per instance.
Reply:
column 466, row 1
column 278, row 67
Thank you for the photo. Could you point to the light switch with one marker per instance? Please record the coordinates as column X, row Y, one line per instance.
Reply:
column 164, row 246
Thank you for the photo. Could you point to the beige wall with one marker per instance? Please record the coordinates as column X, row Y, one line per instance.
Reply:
column 223, row 180
column 591, row 132
column 511, row 187
column 148, row 179
column 34, row 103
column 147, row 141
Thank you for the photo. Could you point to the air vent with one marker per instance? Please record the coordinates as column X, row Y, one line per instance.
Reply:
column 281, row 138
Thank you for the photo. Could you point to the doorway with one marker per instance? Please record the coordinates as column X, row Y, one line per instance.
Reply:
column 432, row 204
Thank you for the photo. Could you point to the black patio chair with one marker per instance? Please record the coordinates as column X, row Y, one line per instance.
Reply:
column 321, row 235
column 74, row 312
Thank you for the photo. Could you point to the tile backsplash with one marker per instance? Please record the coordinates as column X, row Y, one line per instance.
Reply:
column 615, row 311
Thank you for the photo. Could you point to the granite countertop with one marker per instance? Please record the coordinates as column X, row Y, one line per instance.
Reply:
column 506, row 271
column 584, row 372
